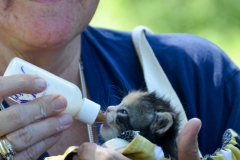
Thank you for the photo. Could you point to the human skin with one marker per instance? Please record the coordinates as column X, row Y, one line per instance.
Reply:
column 21, row 124
column 187, row 146
column 47, row 34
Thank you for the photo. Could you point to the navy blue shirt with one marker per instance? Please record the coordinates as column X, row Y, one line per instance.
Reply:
column 205, row 79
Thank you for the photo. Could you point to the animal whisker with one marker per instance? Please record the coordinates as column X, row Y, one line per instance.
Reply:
column 149, row 113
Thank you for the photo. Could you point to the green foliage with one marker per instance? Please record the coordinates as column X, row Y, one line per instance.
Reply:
column 215, row 20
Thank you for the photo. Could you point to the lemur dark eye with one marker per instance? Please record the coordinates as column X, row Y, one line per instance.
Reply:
column 122, row 111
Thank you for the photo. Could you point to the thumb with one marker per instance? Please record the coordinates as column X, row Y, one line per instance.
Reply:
column 187, row 140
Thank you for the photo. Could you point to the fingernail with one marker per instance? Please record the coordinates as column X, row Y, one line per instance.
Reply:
column 58, row 104
column 41, row 83
column 200, row 126
column 65, row 119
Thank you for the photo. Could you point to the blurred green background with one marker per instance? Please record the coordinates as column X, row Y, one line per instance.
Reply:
column 215, row 20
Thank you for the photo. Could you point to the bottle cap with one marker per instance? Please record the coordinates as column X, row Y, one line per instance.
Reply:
column 88, row 112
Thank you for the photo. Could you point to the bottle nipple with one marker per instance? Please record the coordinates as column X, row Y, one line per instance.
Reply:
column 100, row 118
column 90, row 112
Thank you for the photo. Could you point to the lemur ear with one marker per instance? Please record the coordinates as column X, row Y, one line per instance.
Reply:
column 164, row 121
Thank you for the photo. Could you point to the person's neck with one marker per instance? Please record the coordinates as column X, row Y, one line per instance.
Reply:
column 62, row 62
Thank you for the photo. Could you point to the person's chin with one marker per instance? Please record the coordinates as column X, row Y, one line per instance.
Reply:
column 39, row 24
column 49, row 35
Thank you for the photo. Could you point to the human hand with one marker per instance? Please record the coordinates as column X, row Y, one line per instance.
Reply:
column 92, row 151
column 187, row 146
column 187, row 140
column 33, row 127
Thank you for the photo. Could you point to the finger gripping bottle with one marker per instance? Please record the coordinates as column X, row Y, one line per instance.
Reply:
column 80, row 108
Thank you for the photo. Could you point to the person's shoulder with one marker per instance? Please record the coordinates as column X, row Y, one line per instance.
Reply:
column 172, row 42
column 184, row 43
column 167, row 46
column 196, row 47
column 187, row 42
column 194, row 52
column 104, row 33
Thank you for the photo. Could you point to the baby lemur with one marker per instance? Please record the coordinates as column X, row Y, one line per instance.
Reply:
column 151, row 115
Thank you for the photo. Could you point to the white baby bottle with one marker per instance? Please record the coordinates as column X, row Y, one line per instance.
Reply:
column 81, row 108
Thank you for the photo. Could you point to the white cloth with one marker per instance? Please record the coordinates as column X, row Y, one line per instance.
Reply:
column 155, row 78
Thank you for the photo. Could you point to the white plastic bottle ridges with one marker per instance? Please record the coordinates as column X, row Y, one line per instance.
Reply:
column 80, row 108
